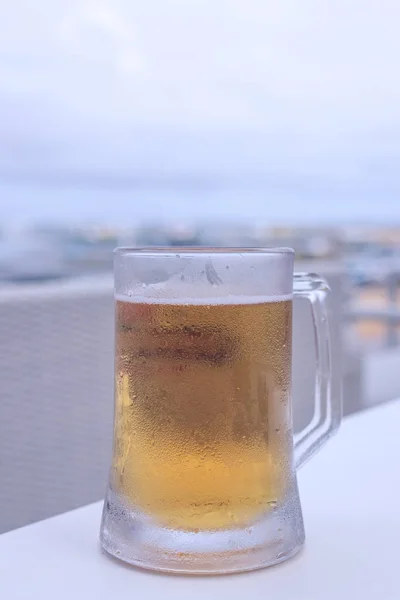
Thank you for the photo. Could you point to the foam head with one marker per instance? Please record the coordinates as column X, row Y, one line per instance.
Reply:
column 199, row 276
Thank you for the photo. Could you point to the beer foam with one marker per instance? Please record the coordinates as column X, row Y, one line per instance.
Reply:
column 233, row 299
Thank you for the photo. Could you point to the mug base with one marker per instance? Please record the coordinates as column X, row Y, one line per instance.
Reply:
column 134, row 538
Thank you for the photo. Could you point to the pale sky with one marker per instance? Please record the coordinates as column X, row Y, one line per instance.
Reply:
column 292, row 106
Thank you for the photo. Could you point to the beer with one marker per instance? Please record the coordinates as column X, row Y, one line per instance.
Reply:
column 202, row 434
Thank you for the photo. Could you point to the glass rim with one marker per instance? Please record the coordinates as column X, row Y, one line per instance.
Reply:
column 187, row 250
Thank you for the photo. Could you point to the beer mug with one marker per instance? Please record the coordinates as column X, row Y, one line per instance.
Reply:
column 203, row 474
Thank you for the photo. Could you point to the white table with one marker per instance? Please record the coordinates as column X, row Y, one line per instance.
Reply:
column 350, row 496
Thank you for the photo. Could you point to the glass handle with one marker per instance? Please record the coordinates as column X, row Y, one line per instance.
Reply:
column 327, row 409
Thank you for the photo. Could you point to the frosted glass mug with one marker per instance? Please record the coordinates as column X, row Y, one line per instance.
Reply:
column 203, row 474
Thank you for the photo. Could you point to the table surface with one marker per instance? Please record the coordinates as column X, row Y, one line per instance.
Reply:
column 351, row 509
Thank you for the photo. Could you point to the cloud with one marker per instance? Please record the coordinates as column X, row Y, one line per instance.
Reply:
column 286, row 90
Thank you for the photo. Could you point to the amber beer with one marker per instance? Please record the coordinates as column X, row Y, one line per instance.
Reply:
column 202, row 435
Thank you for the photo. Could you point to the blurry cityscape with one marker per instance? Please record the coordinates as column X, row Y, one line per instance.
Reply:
column 369, row 257
column 42, row 253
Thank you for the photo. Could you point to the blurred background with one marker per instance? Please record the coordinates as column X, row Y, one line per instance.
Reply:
column 183, row 122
